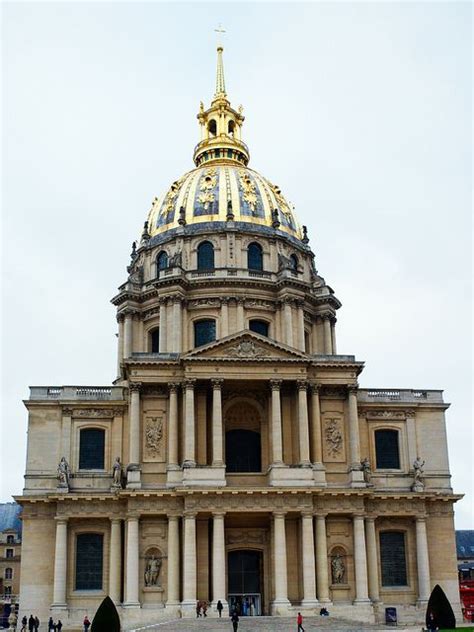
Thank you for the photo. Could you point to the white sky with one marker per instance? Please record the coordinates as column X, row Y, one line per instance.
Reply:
column 360, row 112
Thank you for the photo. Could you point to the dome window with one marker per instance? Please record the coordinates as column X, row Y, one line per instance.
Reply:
column 155, row 340
column 231, row 128
column 294, row 263
column 205, row 256
column 212, row 128
column 204, row 332
column 259, row 327
column 255, row 256
column 161, row 262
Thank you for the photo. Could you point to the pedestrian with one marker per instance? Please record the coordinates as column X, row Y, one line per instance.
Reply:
column 87, row 623
column 204, row 608
column 299, row 621
column 235, row 620
column 24, row 623
column 50, row 624
column 219, row 607
column 31, row 623
column 37, row 624
column 198, row 609
column 59, row 625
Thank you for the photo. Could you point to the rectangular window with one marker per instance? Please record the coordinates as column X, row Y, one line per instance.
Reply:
column 89, row 561
column 386, row 450
column 91, row 449
column 393, row 559
column 9, row 553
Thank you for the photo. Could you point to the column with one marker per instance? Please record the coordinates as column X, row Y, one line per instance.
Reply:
column 120, row 344
column 277, row 455
column 131, row 579
column 134, row 423
column 173, row 561
column 300, row 325
column 217, row 436
column 218, row 559
column 333, row 335
column 288, row 318
column 60, row 564
column 189, row 425
column 303, row 429
column 279, row 559
column 163, row 327
column 173, row 425
column 372, row 564
column 354, row 446
column 314, row 335
column 360, row 560
column 128, row 335
column 240, row 315
column 309, row 577
column 224, row 317
column 422, row 561
column 115, row 560
column 177, row 325
column 327, row 334
column 322, row 575
column 189, row 562
column 184, row 317
column 316, row 436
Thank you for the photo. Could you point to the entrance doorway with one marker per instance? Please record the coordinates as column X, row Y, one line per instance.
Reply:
column 245, row 582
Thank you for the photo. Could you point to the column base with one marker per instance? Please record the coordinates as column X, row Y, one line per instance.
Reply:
column 309, row 603
column 319, row 475
column 280, row 475
column 422, row 603
column 133, row 477
column 356, row 478
column 174, row 476
column 210, row 476
column 280, row 608
column 130, row 605
column 188, row 609
column 362, row 602
column 58, row 607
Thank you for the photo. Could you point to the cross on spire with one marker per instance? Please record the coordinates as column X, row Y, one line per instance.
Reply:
column 220, row 82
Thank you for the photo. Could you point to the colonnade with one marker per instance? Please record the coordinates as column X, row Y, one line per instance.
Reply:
column 288, row 327
column 309, row 435
column 183, row 591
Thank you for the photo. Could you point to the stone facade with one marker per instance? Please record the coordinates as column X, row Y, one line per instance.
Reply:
column 308, row 495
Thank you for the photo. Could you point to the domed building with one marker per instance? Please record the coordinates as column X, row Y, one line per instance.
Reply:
column 235, row 457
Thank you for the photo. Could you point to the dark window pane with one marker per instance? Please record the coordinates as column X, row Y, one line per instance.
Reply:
column 89, row 554
column 386, row 449
column 162, row 261
column 205, row 256
column 259, row 327
column 294, row 262
column 255, row 257
column 91, row 449
column 244, row 571
column 392, row 559
column 155, row 341
column 204, row 332
column 242, row 451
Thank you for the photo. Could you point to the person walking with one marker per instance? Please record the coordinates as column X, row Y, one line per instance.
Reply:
column 299, row 621
column 87, row 624
column 31, row 623
column 50, row 624
column 219, row 607
column 59, row 625
column 235, row 620
column 37, row 624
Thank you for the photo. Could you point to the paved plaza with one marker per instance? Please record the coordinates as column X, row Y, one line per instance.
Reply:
column 265, row 624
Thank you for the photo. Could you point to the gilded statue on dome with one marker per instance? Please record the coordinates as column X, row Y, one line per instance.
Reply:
column 249, row 190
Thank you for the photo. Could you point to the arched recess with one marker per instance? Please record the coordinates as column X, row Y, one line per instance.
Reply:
column 339, row 571
column 152, row 571
column 243, row 437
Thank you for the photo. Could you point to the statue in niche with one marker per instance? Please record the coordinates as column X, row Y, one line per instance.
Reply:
column 117, row 473
column 63, row 473
column 338, row 569
column 152, row 571
column 367, row 470
column 418, row 483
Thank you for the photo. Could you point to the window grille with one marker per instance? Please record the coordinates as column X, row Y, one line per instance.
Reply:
column 393, row 558
column 89, row 561
column 204, row 332
column 205, row 256
column 91, row 449
column 259, row 327
column 255, row 257
column 386, row 450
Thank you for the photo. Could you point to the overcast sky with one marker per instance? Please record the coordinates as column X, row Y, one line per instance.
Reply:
column 360, row 112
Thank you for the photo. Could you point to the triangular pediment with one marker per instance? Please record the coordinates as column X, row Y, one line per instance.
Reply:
column 246, row 346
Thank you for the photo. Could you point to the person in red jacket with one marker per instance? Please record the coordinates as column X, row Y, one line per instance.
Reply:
column 299, row 621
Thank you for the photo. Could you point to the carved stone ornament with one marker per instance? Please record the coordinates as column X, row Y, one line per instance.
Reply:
column 246, row 349
column 245, row 536
column 153, row 436
column 334, row 439
column 204, row 302
column 97, row 412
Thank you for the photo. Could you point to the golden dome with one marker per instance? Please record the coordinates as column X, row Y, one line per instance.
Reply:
column 221, row 193
column 221, row 188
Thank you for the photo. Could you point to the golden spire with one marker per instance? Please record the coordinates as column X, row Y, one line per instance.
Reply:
column 220, row 82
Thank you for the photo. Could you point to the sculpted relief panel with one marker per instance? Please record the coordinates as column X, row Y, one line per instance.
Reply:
column 333, row 438
column 154, row 445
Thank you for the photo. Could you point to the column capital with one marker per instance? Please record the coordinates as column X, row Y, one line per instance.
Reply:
column 133, row 517
column 326, row 316
column 176, row 299
column 319, row 515
column 190, row 515
column 315, row 387
column 217, row 383
column 174, row 386
column 61, row 519
column 275, row 385
column 333, row 320
column 219, row 514
column 421, row 518
column 114, row 519
column 279, row 513
column 189, row 383
column 307, row 513
column 353, row 388
column 302, row 385
column 358, row 515
column 120, row 317
column 370, row 518
column 134, row 387
column 173, row 517
column 225, row 300
column 240, row 301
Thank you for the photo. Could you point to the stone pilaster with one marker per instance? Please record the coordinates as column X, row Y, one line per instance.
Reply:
column 189, row 565
column 217, row 433
column 218, row 560
column 300, row 325
column 327, row 334
column 322, row 575
column 60, row 565
column 115, row 560
column 173, row 562
column 163, row 335
column 309, row 571
column 303, row 426
column 128, row 335
column 356, row 474
column 333, row 335
column 316, row 438
column 280, row 603
column 422, row 561
column 288, row 322
column 120, row 345
column 372, row 564
column 173, row 425
column 240, row 315
column 132, row 568
column 277, row 452
column 189, row 433
column 224, row 317
column 360, row 560
column 177, row 325
column 133, row 470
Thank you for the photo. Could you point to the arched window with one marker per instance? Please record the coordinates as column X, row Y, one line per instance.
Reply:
column 393, row 558
column 204, row 332
column 294, row 262
column 161, row 262
column 231, row 128
column 10, row 539
column 205, row 256
column 9, row 573
column 9, row 553
column 155, row 340
column 386, row 450
column 89, row 561
column 212, row 127
column 243, row 451
column 259, row 327
column 255, row 256
column 91, row 449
